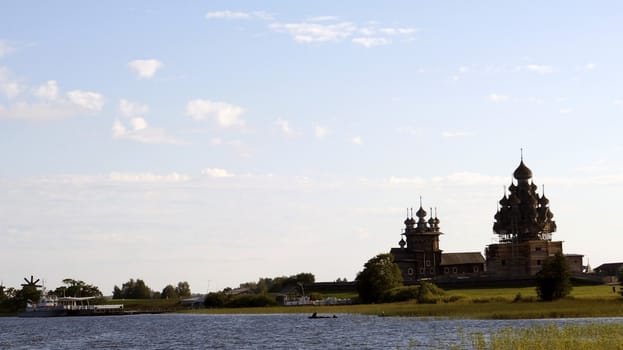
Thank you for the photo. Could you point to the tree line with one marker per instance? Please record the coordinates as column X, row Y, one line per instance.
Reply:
column 260, row 293
column 14, row 299
column 137, row 289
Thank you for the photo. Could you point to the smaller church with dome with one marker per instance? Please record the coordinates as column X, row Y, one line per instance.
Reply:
column 419, row 256
column 523, row 223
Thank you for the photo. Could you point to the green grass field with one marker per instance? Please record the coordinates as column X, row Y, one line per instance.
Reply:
column 486, row 303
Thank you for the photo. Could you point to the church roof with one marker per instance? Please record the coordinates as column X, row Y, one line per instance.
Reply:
column 522, row 172
column 461, row 258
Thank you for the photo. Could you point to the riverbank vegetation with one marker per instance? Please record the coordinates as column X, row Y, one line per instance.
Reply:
column 586, row 336
column 483, row 303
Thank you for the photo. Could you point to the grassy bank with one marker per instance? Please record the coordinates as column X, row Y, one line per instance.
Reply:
column 550, row 337
column 498, row 303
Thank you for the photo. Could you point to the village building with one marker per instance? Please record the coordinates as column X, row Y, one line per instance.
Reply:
column 523, row 223
column 419, row 256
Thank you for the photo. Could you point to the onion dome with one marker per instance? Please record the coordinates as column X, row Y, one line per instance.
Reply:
column 533, row 187
column 543, row 200
column 421, row 213
column 504, row 201
column 402, row 243
column 436, row 221
column 431, row 221
column 522, row 172
column 550, row 215
column 410, row 221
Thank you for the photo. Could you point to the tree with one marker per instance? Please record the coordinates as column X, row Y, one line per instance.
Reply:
column 28, row 294
column 215, row 299
column 75, row 288
column 305, row 278
column 169, row 293
column 132, row 290
column 183, row 289
column 380, row 274
column 554, row 280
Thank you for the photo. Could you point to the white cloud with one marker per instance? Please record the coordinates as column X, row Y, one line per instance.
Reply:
column 542, row 69
column 145, row 68
column 54, row 107
column 590, row 66
column 138, row 123
column 118, row 130
column 88, row 100
column 357, row 140
column 48, row 91
column 618, row 102
column 10, row 89
column 132, row 109
column 238, row 15
column 147, row 177
column 329, row 29
column 320, row 131
column 313, row 32
column 323, row 18
column 498, row 98
column 398, row 31
column 226, row 115
column 455, row 134
column 369, row 42
column 8, row 86
column 228, row 15
column 284, row 126
column 141, row 132
column 216, row 172
column 5, row 48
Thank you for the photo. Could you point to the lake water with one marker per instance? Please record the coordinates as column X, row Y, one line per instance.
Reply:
column 292, row 331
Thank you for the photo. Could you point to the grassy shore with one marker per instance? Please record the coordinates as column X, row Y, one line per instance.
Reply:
column 498, row 303
column 551, row 337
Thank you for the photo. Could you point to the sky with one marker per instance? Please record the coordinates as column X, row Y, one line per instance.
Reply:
column 217, row 142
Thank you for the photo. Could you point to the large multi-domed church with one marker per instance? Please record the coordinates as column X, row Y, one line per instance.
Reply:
column 523, row 223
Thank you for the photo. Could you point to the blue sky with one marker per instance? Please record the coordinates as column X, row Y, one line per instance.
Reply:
column 219, row 142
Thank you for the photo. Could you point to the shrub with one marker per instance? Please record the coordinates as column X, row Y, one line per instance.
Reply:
column 215, row 300
column 429, row 293
column 251, row 300
column 554, row 280
column 380, row 274
column 400, row 294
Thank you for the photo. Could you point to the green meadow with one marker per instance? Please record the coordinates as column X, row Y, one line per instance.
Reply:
column 484, row 303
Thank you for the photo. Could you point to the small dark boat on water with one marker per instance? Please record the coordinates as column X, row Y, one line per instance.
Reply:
column 315, row 315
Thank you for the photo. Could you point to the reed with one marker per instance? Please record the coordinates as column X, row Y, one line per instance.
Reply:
column 551, row 337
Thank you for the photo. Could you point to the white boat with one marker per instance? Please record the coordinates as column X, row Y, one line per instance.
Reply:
column 46, row 307
column 69, row 306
